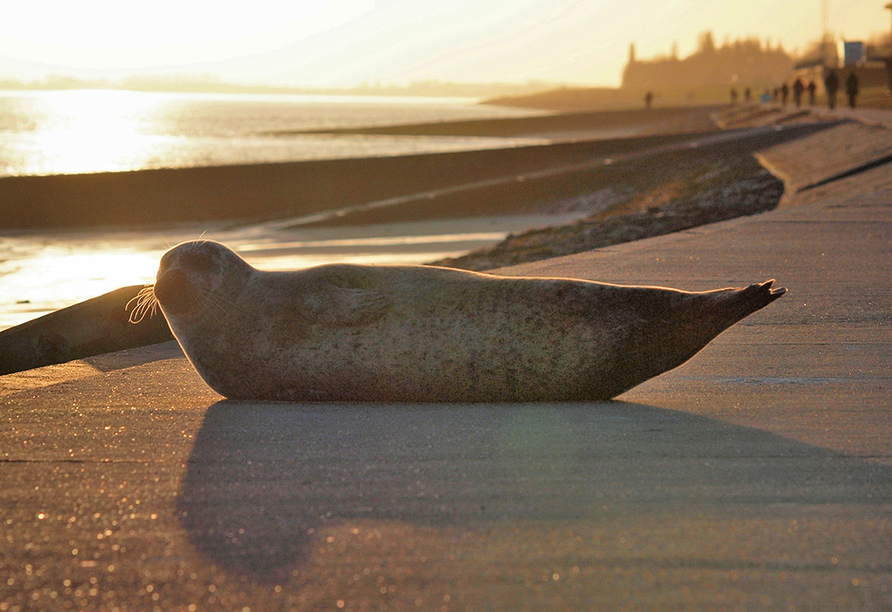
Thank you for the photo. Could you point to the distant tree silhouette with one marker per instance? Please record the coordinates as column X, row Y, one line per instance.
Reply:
column 705, row 44
column 753, row 63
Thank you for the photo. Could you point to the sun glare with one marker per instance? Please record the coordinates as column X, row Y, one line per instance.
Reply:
column 91, row 131
column 109, row 34
column 58, row 277
column 59, row 272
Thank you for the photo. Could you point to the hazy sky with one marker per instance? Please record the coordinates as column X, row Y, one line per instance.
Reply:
column 344, row 42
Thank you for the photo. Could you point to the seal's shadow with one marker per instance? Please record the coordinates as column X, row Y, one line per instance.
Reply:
column 263, row 477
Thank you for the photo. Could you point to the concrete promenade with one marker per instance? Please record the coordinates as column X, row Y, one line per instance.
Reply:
column 758, row 476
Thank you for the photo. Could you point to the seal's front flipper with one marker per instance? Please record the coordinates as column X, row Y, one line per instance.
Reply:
column 336, row 306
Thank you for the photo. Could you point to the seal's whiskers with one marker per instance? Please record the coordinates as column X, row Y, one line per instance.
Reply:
column 146, row 303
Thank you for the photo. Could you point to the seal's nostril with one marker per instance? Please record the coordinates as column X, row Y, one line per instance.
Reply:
column 170, row 287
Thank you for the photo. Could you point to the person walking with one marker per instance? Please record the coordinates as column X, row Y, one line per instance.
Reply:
column 648, row 99
column 831, row 84
column 812, row 88
column 798, row 88
column 852, row 88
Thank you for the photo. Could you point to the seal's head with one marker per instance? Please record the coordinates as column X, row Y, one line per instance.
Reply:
column 196, row 279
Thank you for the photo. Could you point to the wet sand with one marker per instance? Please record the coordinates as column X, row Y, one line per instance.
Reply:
column 632, row 121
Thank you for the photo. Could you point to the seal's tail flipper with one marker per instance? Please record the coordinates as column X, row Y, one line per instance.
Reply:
column 709, row 313
column 712, row 312
column 676, row 325
column 775, row 291
column 755, row 297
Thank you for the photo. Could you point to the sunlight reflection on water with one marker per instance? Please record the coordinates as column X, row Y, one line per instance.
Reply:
column 69, row 132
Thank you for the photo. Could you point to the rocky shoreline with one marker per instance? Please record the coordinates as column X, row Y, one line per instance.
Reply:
column 686, row 189
column 715, row 189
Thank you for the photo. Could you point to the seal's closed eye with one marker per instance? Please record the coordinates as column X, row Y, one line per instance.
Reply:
column 199, row 262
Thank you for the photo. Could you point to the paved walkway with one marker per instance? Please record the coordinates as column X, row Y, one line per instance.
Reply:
column 867, row 116
column 765, row 114
column 758, row 476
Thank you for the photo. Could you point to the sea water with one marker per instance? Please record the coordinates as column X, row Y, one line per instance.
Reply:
column 64, row 132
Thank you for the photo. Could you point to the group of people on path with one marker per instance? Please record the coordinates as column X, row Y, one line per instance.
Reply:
column 798, row 89
column 831, row 83
column 831, row 86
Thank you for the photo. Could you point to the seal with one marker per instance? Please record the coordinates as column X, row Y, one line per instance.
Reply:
column 426, row 334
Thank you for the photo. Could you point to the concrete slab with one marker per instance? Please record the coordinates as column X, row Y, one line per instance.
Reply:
column 867, row 116
column 758, row 476
column 843, row 148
